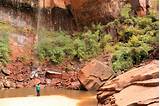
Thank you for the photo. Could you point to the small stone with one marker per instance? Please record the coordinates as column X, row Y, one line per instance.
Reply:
column 13, row 85
column 55, row 81
column 7, row 84
column 36, row 75
column 74, row 85
column 42, row 86
column 42, row 81
column 20, row 78
column 48, row 81
column 37, row 81
column 19, row 85
column 1, row 85
column 6, row 71
column 33, row 73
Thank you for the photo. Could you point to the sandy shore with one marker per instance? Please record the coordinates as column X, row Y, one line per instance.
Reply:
column 39, row 101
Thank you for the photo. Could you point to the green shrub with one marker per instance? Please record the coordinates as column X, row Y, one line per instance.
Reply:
column 137, row 36
column 106, row 40
column 80, row 48
column 57, row 46
column 125, row 10
column 4, row 49
column 138, row 55
column 143, row 22
column 134, row 41
column 122, row 59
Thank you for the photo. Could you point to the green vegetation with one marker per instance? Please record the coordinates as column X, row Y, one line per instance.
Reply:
column 5, row 27
column 125, row 10
column 135, row 37
column 4, row 49
column 5, row 30
column 130, row 40
column 56, row 46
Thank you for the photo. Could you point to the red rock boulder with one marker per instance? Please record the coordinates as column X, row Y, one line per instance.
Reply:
column 93, row 75
column 137, row 87
column 53, row 74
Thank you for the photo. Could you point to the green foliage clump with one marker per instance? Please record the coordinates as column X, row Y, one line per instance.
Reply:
column 4, row 49
column 57, row 46
column 54, row 48
column 122, row 59
column 137, row 37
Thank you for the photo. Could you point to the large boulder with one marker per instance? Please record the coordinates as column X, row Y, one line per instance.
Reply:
column 137, row 87
column 53, row 74
column 87, row 11
column 93, row 75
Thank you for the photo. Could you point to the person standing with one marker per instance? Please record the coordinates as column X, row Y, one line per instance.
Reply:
column 38, row 89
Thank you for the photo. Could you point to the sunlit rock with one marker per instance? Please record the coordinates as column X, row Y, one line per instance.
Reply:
column 138, row 86
column 93, row 75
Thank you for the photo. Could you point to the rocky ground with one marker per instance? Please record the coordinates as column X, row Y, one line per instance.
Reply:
column 21, row 74
column 137, row 87
column 23, row 70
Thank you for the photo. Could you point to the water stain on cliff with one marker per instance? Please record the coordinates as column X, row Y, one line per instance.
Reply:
column 52, row 19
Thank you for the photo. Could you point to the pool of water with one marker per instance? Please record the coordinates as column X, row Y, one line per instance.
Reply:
column 49, row 97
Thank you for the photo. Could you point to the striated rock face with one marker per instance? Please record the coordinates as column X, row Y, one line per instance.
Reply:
column 140, row 7
column 93, row 75
column 138, row 86
column 88, row 11
column 54, row 3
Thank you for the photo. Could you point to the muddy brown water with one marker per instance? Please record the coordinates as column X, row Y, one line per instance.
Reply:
column 49, row 96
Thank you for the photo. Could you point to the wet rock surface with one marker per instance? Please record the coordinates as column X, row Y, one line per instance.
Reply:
column 139, row 86
column 93, row 75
